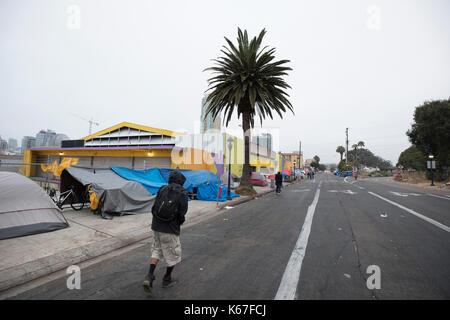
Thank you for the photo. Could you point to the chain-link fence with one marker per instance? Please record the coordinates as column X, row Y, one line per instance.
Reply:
column 46, row 180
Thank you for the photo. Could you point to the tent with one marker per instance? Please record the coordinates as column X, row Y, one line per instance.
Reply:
column 117, row 194
column 257, row 176
column 150, row 179
column 25, row 208
column 202, row 182
column 258, row 179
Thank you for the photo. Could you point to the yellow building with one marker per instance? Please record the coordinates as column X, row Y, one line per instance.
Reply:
column 286, row 161
column 141, row 147
column 261, row 159
column 125, row 144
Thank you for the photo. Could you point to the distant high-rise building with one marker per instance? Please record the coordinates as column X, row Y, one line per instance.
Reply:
column 60, row 137
column 263, row 140
column 27, row 143
column 207, row 122
column 12, row 144
column 3, row 144
column 45, row 138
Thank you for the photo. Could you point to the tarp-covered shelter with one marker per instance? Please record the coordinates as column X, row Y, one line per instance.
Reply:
column 203, row 183
column 25, row 208
column 118, row 195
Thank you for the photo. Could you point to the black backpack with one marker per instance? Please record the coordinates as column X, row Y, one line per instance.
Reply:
column 167, row 202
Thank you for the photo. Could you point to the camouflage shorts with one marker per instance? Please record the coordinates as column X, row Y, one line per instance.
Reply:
column 166, row 246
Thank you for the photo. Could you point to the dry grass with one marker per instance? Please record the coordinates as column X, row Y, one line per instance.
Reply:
column 419, row 178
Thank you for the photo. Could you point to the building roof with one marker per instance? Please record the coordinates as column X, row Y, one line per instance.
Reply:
column 134, row 126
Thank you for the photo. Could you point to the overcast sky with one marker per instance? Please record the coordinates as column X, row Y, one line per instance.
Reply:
column 359, row 64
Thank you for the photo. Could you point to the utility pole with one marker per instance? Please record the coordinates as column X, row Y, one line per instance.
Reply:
column 299, row 154
column 346, row 142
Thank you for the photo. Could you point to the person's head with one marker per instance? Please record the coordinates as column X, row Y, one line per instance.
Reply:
column 278, row 172
column 177, row 177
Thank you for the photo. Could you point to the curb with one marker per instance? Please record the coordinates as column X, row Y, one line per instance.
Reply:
column 21, row 274
column 18, row 275
column 249, row 198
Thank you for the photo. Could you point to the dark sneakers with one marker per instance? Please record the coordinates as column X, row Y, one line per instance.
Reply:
column 148, row 282
column 168, row 282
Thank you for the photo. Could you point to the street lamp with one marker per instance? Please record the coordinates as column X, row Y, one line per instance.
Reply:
column 294, row 170
column 431, row 166
column 230, row 146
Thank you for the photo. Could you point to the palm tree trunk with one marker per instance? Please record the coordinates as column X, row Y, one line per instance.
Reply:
column 246, row 171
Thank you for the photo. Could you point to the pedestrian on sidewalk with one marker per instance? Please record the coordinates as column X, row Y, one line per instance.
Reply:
column 169, row 210
column 279, row 181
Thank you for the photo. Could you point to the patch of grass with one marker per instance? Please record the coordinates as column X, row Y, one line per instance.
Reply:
column 379, row 174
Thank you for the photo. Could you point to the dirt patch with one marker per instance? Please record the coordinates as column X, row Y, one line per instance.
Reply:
column 246, row 191
column 419, row 178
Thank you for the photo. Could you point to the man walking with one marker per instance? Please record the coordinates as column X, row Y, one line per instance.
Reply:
column 169, row 209
column 279, row 182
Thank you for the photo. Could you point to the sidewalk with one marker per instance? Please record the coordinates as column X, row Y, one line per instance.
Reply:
column 30, row 257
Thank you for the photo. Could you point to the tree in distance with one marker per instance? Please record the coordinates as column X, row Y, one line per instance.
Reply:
column 412, row 158
column 340, row 150
column 430, row 133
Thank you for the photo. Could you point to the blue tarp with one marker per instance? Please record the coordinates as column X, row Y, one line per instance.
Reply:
column 207, row 184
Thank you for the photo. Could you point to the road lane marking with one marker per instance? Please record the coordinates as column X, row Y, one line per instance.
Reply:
column 300, row 190
column 405, row 194
column 437, row 224
column 291, row 276
column 343, row 191
column 433, row 195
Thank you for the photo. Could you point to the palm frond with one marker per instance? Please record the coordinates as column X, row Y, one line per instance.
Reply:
column 246, row 79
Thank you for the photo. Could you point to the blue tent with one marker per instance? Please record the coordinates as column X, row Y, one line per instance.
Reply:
column 150, row 179
column 207, row 184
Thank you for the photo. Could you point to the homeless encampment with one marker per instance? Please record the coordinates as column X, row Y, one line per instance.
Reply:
column 25, row 208
column 116, row 194
column 203, row 183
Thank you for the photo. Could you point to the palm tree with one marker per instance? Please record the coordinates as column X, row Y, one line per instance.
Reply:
column 360, row 145
column 355, row 148
column 247, row 81
column 340, row 150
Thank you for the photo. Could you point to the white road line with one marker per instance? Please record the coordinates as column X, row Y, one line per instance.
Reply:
column 291, row 276
column 433, row 195
column 437, row 224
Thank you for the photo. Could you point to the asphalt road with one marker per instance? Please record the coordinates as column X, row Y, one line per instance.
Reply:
column 315, row 240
